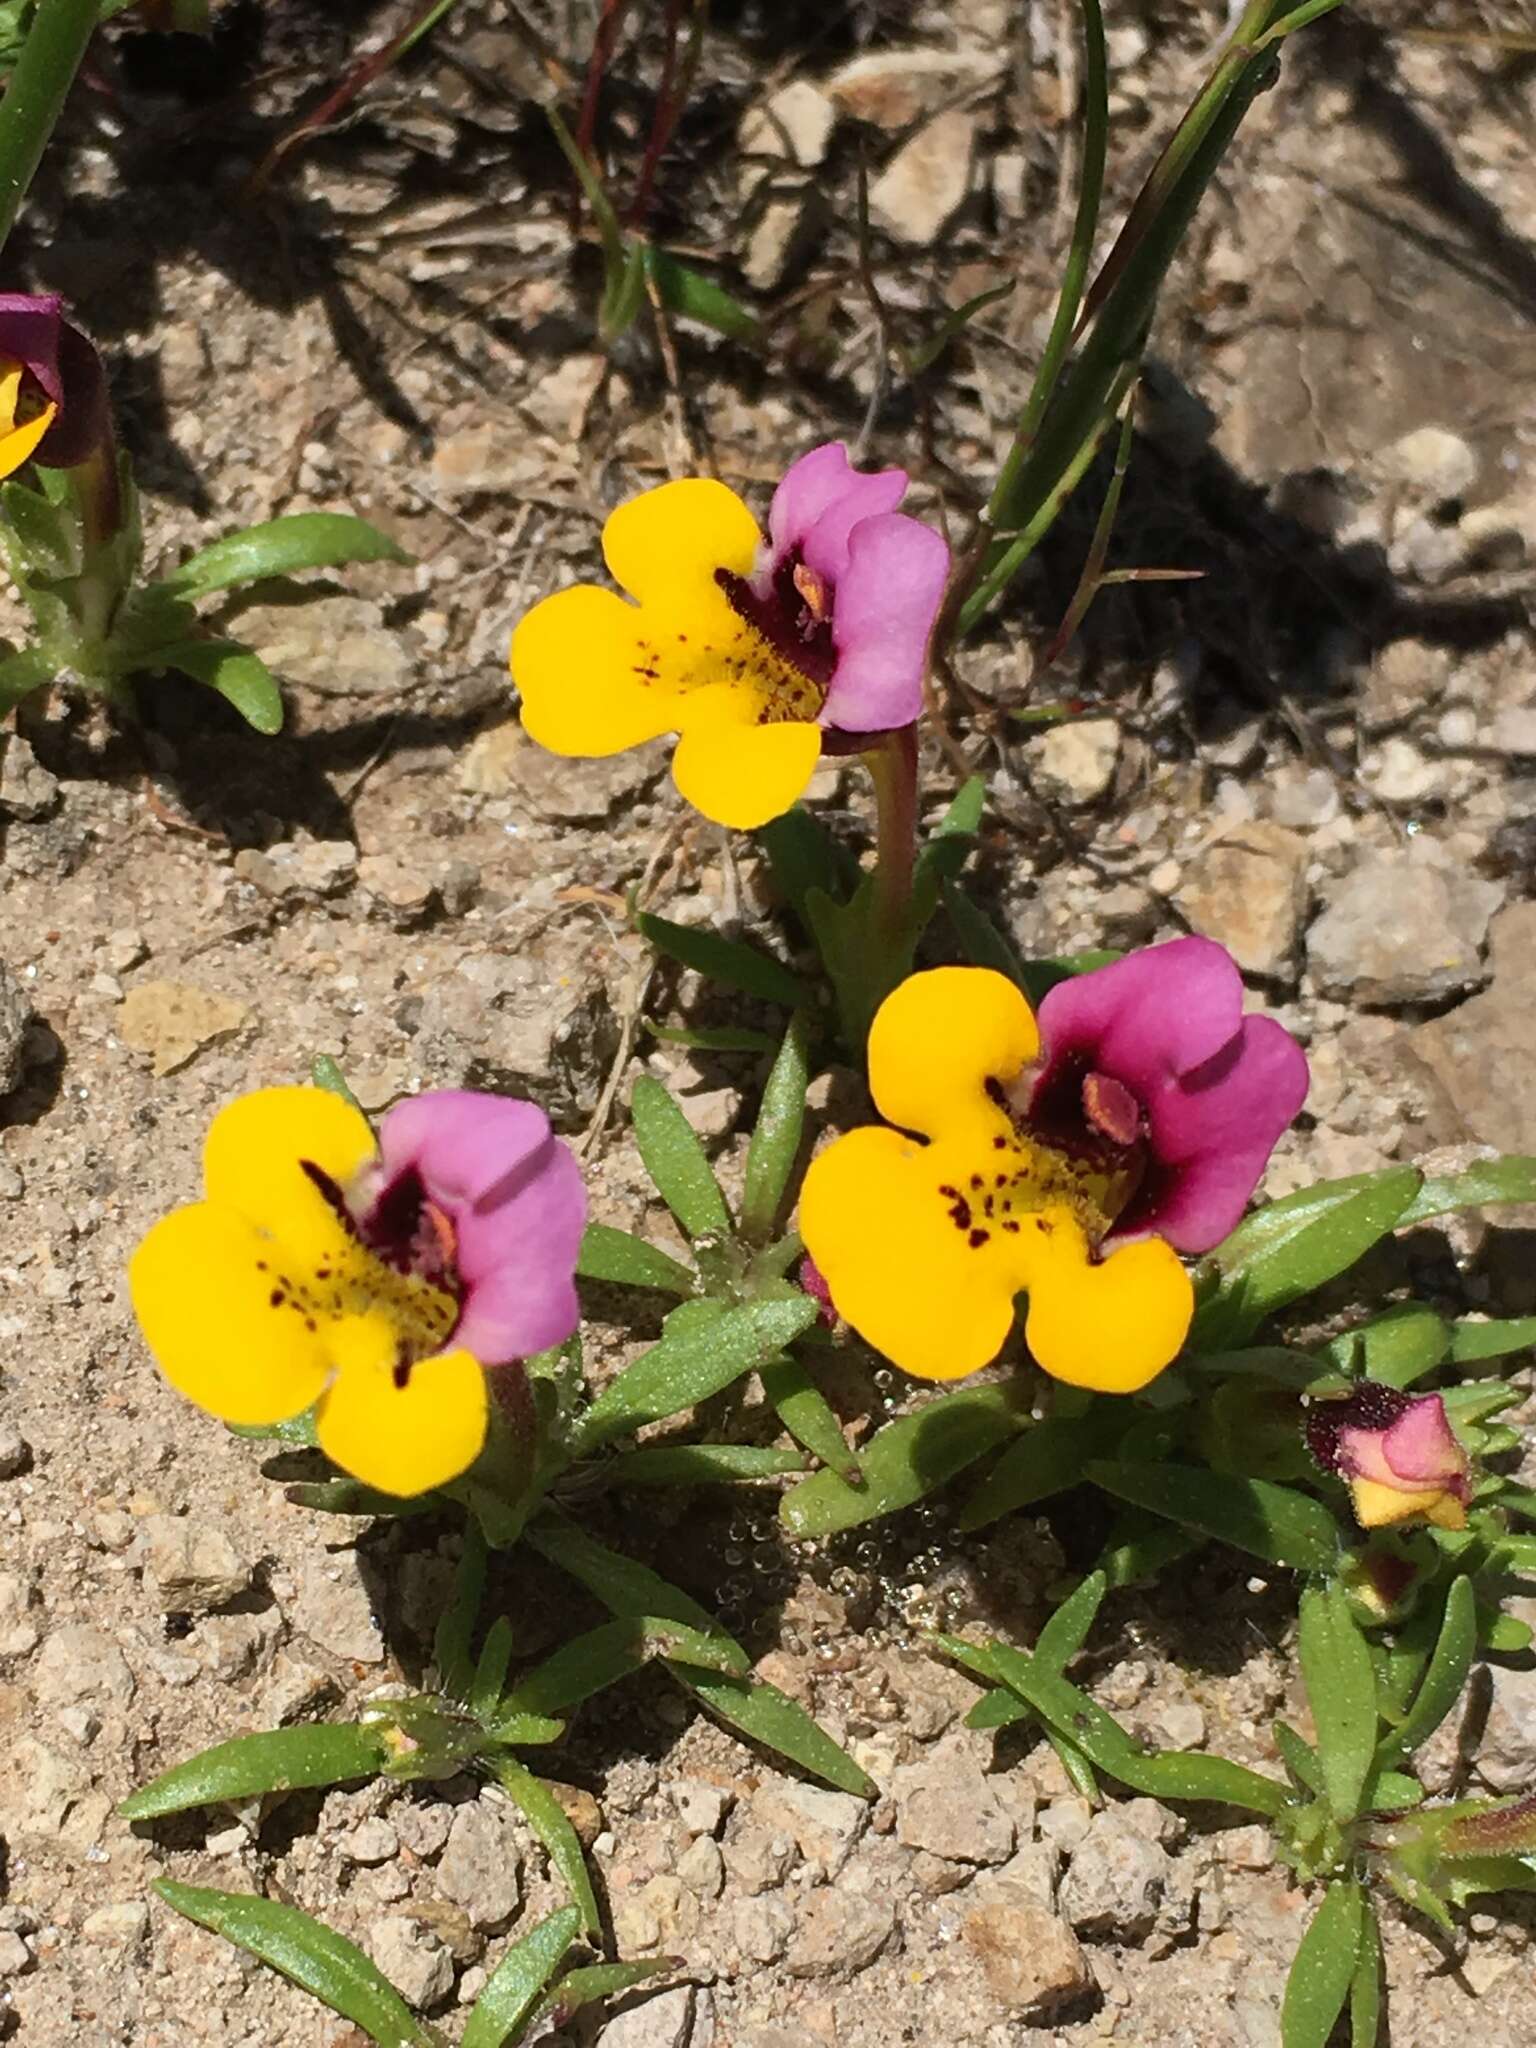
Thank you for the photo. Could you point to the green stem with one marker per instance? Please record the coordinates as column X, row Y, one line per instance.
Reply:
column 1089, row 194
column 1023, row 544
column 893, row 770
column 35, row 97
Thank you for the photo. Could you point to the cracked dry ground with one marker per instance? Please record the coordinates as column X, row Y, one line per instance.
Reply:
column 1324, row 754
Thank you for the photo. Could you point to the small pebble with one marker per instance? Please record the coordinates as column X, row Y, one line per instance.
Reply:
column 15, row 1452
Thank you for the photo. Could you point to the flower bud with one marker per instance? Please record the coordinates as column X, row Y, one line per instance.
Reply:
column 1397, row 1454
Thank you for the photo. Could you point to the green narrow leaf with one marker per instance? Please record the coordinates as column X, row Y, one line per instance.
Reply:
column 282, row 1760
column 1046, row 1459
column 1174, row 1774
column 491, row 1671
column 600, row 1658
column 712, row 1037
column 1392, row 1791
column 1068, row 1628
column 1080, row 1773
column 351, row 1497
column 1396, row 1348
column 624, row 1587
column 609, row 1254
column 675, row 1160
column 623, row 295
column 731, row 962
column 238, row 673
column 1365, row 1985
column 775, row 1142
column 550, row 1822
column 1505, row 1634
column 1441, row 1686
column 315, row 1958
column 1140, row 1547
column 998, row 1708
column 700, row 1465
column 1473, row 1341
column 456, row 1624
column 1300, row 1758
column 21, row 673
column 1323, row 1969
column 1041, row 976
column 1276, row 1523
column 1294, row 1245
column 1484, row 1185
column 907, row 1460
column 941, row 857
column 770, row 1717
column 980, row 940
column 689, row 1365
column 298, row 1429
column 598, row 1980
column 693, row 296
column 806, row 859
column 927, row 353
column 47, row 534
column 325, row 1073
column 520, row 1980
column 807, row 1414
column 1341, row 1685
column 280, row 547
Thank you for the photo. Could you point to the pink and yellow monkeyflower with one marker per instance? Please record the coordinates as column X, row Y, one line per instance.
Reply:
column 375, row 1282
column 1398, row 1455
column 757, row 653
column 1071, row 1157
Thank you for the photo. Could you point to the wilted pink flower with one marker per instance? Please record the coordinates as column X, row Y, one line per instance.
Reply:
column 1397, row 1453
column 1151, row 1076
column 53, row 390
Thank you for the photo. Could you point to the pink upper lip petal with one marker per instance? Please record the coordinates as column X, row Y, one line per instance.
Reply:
column 1217, row 1088
column 513, row 1194
column 886, row 574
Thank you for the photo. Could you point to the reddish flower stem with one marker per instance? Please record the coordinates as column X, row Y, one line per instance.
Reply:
column 893, row 770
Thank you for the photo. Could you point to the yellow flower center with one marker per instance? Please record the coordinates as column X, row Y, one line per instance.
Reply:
column 25, row 415
column 354, row 1285
column 1024, row 1177
column 353, row 1282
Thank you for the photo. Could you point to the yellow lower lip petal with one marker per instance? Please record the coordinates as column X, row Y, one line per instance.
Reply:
column 402, row 1431
column 213, row 1298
